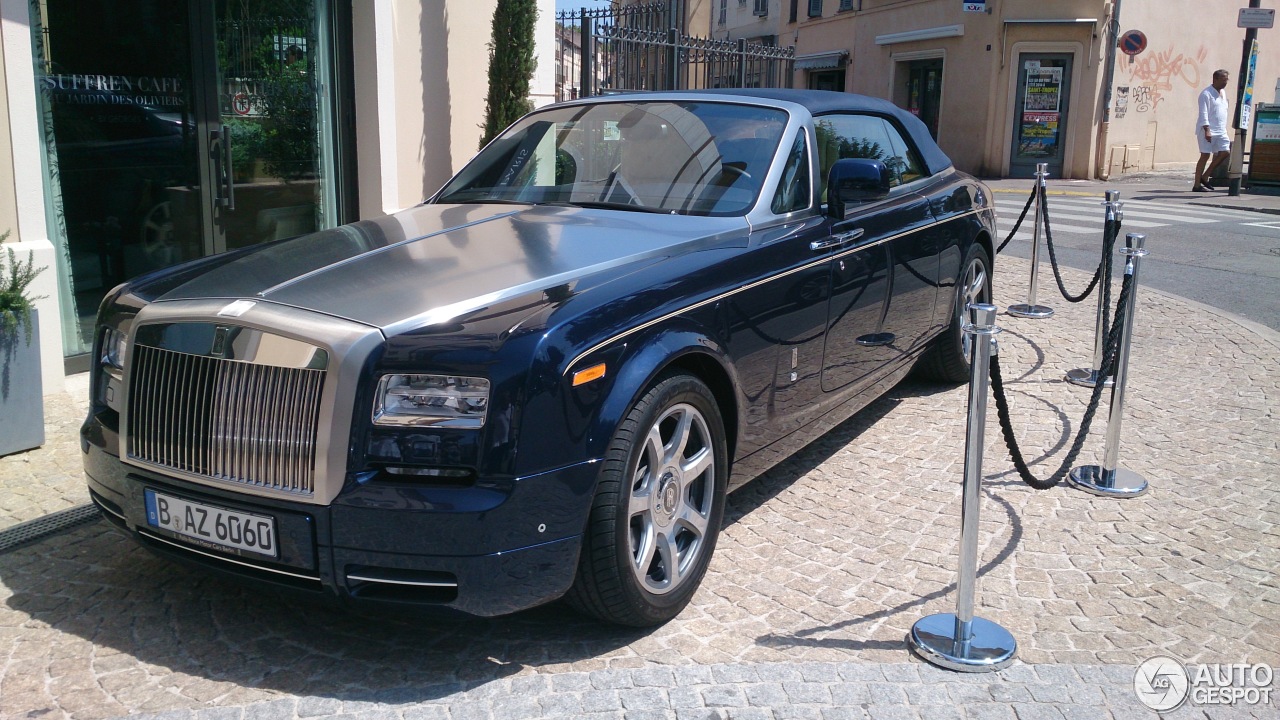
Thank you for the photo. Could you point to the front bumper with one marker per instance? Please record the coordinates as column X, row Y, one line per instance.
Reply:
column 482, row 552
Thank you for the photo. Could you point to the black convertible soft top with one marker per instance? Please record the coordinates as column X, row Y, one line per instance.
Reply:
column 820, row 102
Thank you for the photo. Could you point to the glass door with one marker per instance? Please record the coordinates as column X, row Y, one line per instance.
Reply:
column 268, row 167
column 174, row 130
column 1040, row 118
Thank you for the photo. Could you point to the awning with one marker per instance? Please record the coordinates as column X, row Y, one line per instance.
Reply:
column 932, row 33
column 822, row 61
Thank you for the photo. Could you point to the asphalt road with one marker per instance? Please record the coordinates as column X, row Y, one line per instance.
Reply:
column 1233, row 264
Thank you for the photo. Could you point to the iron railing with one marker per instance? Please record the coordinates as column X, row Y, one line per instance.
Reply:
column 644, row 47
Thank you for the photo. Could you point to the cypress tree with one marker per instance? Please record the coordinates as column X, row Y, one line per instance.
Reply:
column 511, row 65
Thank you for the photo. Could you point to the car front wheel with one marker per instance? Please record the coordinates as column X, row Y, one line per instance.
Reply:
column 948, row 359
column 657, row 509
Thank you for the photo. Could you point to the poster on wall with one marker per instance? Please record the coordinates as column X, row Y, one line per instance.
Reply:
column 1038, row 137
column 1043, row 89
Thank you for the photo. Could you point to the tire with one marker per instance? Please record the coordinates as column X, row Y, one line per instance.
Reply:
column 948, row 359
column 654, row 520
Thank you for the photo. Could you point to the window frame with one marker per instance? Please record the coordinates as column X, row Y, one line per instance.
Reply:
column 907, row 141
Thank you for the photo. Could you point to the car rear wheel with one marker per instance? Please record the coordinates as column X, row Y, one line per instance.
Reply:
column 657, row 509
column 948, row 359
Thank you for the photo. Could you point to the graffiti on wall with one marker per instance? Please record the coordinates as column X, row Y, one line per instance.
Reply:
column 1159, row 73
column 1122, row 101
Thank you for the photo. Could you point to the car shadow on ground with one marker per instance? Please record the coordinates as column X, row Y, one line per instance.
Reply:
column 97, row 585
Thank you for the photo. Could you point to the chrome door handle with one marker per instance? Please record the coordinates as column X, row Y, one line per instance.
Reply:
column 837, row 240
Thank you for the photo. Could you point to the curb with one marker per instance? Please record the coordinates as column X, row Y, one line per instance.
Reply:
column 1262, row 331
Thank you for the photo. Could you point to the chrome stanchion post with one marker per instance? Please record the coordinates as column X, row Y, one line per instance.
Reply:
column 961, row 641
column 1030, row 309
column 1109, row 480
column 1088, row 377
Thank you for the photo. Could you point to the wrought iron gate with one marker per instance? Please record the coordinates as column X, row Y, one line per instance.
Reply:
column 641, row 47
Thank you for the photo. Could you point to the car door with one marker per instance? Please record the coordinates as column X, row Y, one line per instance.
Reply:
column 875, row 294
column 777, row 325
column 914, row 252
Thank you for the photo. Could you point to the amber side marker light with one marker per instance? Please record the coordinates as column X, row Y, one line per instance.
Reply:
column 582, row 377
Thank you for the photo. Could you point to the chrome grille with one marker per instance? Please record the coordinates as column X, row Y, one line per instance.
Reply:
column 233, row 421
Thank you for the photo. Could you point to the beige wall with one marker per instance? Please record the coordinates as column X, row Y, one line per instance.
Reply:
column 1154, row 103
column 979, row 65
column 421, row 78
column 8, row 200
column 1155, row 119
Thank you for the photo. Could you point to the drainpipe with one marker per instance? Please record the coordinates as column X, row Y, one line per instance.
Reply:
column 1102, row 170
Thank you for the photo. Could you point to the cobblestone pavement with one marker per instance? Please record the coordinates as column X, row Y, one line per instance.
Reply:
column 824, row 564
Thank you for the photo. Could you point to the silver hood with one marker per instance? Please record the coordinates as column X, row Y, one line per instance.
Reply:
column 432, row 263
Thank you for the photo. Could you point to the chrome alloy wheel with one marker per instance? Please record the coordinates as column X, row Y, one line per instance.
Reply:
column 973, row 290
column 672, row 494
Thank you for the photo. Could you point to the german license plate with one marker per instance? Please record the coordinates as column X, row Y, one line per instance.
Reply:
column 213, row 526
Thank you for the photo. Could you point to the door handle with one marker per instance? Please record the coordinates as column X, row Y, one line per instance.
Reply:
column 837, row 240
column 220, row 148
column 876, row 339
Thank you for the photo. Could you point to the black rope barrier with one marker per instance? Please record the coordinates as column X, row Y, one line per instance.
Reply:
column 1021, row 217
column 1110, row 231
column 1110, row 349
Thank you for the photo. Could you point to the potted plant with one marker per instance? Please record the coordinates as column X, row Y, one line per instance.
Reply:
column 21, row 398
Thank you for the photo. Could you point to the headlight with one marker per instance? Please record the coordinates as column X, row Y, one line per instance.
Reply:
column 440, row 400
column 113, row 348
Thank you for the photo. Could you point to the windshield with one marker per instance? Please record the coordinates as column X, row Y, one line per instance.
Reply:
column 691, row 158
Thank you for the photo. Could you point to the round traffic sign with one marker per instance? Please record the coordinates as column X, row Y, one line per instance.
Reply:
column 1133, row 42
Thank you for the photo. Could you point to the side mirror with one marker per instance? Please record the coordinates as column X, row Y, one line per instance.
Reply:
column 855, row 180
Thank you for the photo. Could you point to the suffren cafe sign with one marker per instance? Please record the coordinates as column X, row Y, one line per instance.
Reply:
column 84, row 89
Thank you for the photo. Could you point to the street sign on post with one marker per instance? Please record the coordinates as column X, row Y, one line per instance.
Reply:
column 1133, row 42
column 1256, row 18
column 1246, row 104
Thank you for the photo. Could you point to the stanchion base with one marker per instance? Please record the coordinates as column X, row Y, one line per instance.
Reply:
column 990, row 648
column 1030, row 311
column 1088, row 377
column 1122, row 483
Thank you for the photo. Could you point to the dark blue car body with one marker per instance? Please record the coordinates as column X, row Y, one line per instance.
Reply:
column 789, row 336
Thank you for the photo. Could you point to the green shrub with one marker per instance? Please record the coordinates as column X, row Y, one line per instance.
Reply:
column 15, row 304
column 511, row 65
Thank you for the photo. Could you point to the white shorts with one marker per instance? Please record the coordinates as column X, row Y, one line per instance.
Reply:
column 1219, row 143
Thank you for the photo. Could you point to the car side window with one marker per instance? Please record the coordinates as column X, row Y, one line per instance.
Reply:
column 865, row 136
column 793, row 187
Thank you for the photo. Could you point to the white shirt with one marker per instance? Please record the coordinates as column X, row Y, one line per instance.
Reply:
column 1213, row 112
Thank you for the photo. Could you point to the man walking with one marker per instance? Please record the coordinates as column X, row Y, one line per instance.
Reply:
column 1211, row 131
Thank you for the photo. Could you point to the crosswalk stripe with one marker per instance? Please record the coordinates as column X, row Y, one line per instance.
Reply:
column 1058, row 227
column 1157, row 206
column 1163, row 208
column 1055, row 216
column 1130, row 212
column 1221, row 212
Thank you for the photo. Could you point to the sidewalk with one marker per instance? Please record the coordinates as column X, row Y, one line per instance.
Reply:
column 1173, row 188
column 823, row 565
